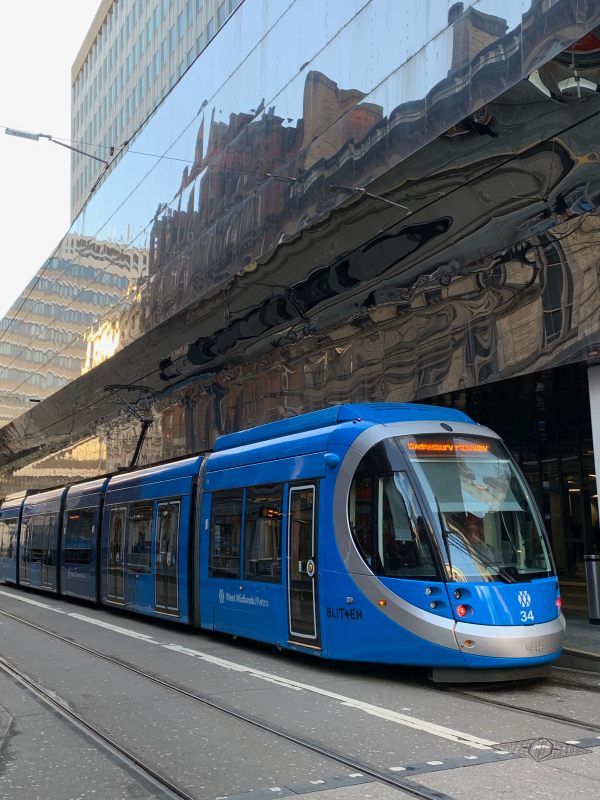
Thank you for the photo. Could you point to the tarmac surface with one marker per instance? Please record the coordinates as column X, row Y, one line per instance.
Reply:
column 539, row 739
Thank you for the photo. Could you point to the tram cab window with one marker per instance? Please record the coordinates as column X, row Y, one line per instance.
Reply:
column 79, row 529
column 491, row 529
column 388, row 528
column 139, row 537
column 262, row 531
column 226, row 534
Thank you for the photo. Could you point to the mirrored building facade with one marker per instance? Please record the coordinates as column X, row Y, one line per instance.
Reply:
column 340, row 202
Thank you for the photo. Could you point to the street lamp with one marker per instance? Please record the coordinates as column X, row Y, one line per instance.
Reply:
column 37, row 136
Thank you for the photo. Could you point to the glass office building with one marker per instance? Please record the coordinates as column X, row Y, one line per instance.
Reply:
column 357, row 201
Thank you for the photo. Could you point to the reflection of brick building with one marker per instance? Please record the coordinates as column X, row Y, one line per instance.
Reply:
column 219, row 179
column 332, row 117
column 472, row 32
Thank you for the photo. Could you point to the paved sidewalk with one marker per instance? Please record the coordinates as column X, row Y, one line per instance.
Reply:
column 582, row 642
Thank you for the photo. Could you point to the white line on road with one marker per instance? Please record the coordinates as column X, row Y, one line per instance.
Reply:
column 32, row 602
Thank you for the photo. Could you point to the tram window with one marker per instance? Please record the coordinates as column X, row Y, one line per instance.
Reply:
column 226, row 529
column 361, row 509
column 167, row 535
column 25, row 548
column 79, row 529
column 388, row 528
column 8, row 532
column 139, row 537
column 37, row 527
column 49, row 540
column 262, row 533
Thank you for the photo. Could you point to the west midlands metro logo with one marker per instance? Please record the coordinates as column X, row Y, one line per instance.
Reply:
column 221, row 596
column 524, row 599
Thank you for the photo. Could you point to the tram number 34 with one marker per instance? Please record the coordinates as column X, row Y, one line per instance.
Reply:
column 527, row 616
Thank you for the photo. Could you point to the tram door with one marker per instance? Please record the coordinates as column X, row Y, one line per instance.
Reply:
column 116, row 555
column 166, row 590
column 302, row 572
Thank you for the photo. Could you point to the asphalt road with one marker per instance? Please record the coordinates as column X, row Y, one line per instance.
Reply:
column 389, row 718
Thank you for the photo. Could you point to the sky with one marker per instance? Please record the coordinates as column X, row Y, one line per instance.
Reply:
column 38, row 44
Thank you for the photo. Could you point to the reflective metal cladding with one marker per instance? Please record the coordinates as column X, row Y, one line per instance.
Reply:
column 372, row 200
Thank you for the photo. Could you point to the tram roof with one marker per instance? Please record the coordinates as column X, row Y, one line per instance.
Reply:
column 169, row 470
column 335, row 415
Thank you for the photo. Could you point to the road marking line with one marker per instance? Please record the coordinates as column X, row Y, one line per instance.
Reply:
column 116, row 628
column 32, row 602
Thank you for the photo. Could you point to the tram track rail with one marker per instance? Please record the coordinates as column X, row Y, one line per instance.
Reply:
column 591, row 727
column 126, row 758
column 170, row 789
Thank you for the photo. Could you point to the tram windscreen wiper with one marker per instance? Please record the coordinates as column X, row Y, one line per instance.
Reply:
column 506, row 574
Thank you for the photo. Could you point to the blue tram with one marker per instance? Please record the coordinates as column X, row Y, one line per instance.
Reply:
column 391, row 533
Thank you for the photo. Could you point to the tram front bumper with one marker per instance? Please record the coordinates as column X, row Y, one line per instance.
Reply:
column 511, row 641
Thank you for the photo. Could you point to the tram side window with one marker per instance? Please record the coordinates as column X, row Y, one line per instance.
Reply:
column 361, row 512
column 79, row 530
column 140, row 537
column 37, row 530
column 25, row 548
column 388, row 528
column 8, row 533
column 167, row 534
column 262, row 533
column 226, row 530
column 49, row 541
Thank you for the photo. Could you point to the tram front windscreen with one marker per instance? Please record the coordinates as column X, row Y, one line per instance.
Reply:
column 489, row 526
